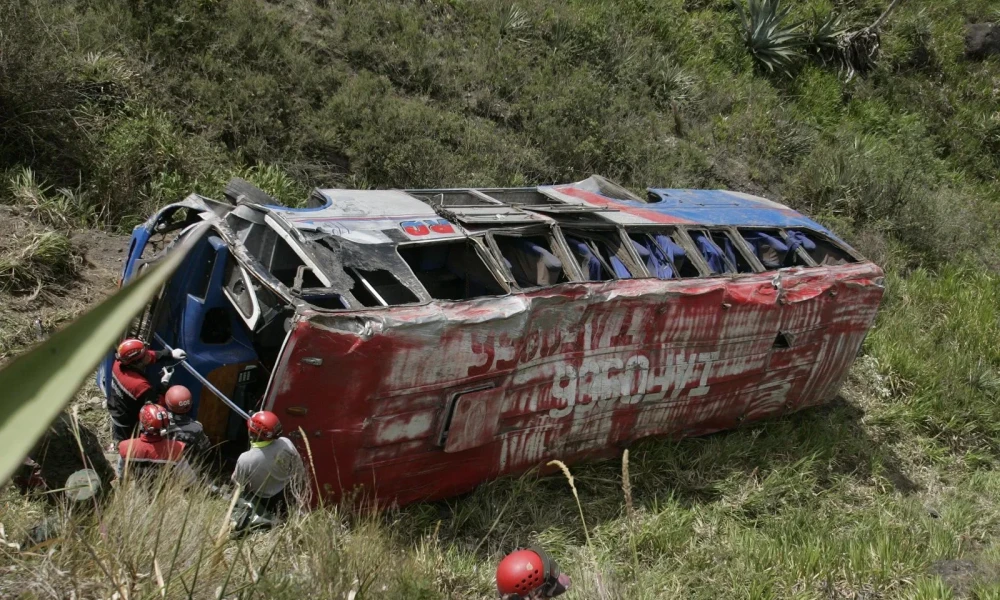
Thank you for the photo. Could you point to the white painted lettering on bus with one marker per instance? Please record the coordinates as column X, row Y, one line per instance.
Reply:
column 600, row 382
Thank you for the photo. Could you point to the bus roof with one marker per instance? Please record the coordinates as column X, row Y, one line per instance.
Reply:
column 343, row 210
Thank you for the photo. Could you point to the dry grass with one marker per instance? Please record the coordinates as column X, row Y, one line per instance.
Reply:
column 158, row 539
column 572, row 485
column 63, row 208
column 811, row 506
column 37, row 260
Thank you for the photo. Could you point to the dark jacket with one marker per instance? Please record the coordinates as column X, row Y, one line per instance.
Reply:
column 129, row 391
column 185, row 429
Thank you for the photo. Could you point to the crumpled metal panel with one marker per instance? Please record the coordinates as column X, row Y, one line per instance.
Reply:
column 574, row 371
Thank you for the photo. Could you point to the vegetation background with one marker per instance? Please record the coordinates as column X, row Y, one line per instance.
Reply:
column 109, row 109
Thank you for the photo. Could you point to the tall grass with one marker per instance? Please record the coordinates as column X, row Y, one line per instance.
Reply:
column 157, row 538
column 936, row 341
column 63, row 208
column 862, row 498
column 37, row 259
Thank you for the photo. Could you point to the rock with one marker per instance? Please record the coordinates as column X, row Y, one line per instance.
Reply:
column 982, row 40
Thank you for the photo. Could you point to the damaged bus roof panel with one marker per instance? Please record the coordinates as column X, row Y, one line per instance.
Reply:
column 345, row 211
column 426, row 341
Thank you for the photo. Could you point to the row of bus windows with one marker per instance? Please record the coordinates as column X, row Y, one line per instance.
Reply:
column 456, row 270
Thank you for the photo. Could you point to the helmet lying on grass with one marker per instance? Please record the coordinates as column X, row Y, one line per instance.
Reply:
column 528, row 574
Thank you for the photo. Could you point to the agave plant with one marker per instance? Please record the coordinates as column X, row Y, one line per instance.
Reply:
column 826, row 36
column 511, row 20
column 669, row 84
column 834, row 43
column 774, row 44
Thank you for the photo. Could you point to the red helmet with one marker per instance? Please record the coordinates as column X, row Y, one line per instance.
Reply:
column 153, row 418
column 264, row 425
column 525, row 571
column 131, row 351
column 178, row 399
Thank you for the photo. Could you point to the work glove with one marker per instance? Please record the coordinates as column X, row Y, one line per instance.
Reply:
column 559, row 586
column 178, row 354
column 165, row 374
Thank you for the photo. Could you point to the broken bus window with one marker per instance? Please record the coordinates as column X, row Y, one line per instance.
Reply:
column 530, row 260
column 820, row 249
column 379, row 288
column 265, row 244
column 772, row 249
column 731, row 252
column 451, row 270
column 601, row 257
column 663, row 256
column 715, row 257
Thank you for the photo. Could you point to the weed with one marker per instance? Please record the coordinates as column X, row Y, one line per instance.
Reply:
column 826, row 35
column 511, row 20
column 572, row 485
column 669, row 84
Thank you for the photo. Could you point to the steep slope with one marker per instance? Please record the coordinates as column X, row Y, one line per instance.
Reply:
column 115, row 108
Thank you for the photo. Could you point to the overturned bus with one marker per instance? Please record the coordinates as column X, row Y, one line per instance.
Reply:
column 425, row 341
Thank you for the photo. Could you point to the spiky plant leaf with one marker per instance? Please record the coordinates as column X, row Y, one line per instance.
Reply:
column 669, row 83
column 511, row 20
column 37, row 384
column 826, row 36
column 774, row 44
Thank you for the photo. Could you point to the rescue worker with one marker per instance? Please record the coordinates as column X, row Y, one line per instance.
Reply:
column 66, row 447
column 130, row 388
column 269, row 470
column 68, row 467
column 530, row 574
column 150, row 452
column 81, row 493
column 183, row 427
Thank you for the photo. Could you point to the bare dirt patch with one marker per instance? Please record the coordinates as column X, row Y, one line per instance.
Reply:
column 964, row 575
column 51, row 290
column 104, row 252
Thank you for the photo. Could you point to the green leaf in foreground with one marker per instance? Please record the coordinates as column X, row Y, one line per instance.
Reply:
column 39, row 383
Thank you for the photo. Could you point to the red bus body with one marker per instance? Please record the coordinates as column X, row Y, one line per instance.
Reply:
column 418, row 343
column 569, row 373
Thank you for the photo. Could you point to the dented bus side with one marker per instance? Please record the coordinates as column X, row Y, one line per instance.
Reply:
column 430, row 340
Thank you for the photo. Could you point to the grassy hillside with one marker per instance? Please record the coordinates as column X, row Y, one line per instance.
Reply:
column 109, row 109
